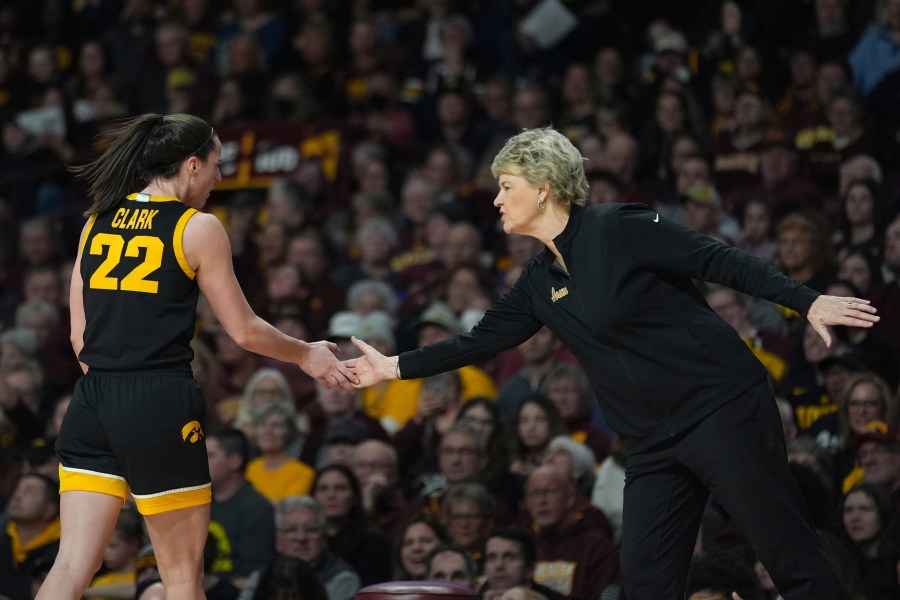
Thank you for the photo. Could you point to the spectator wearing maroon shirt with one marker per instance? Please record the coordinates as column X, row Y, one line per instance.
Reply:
column 569, row 389
column 803, row 250
column 323, row 298
column 780, row 181
column 862, row 219
column 737, row 152
column 841, row 136
column 799, row 104
column 573, row 558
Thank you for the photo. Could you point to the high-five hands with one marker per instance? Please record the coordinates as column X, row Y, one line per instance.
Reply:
column 840, row 310
column 372, row 367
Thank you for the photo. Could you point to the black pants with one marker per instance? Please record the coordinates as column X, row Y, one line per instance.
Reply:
column 738, row 454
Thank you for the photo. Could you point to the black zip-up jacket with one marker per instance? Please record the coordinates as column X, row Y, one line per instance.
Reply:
column 658, row 357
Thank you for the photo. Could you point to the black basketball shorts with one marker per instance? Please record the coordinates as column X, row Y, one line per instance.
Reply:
column 138, row 433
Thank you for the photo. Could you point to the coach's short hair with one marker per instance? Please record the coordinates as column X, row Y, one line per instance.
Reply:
column 545, row 155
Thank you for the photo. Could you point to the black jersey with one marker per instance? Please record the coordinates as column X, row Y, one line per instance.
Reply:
column 140, row 294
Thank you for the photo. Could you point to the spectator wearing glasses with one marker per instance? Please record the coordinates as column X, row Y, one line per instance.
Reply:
column 300, row 533
column 275, row 474
column 437, row 408
column 573, row 558
column 467, row 512
column 866, row 398
column 461, row 458
column 878, row 447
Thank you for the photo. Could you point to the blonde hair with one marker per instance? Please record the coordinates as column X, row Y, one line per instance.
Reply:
column 544, row 155
column 890, row 403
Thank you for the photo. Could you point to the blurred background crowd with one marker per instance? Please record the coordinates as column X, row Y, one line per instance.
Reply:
column 357, row 141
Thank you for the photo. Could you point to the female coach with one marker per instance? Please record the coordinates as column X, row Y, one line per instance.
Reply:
column 135, row 423
column 687, row 397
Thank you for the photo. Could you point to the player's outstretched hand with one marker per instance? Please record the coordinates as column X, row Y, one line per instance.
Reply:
column 321, row 364
column 840, row 310
column 372, row 367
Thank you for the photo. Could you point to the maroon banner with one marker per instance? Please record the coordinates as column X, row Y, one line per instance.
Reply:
column 253, row 156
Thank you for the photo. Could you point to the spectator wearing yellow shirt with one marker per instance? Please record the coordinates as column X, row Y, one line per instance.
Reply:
column 30, row 539
column 275, row 474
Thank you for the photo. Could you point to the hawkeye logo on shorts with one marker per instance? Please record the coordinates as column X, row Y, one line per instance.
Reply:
column 557, row 294
column 192, row 432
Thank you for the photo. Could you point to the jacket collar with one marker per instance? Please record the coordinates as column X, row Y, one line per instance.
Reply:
column 567, row 235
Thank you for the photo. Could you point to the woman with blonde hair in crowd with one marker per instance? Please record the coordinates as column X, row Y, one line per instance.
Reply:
column 804, row 252
column 866, row 398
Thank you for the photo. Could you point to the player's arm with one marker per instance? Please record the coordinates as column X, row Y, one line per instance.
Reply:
column 208, row 251
column 76, row 305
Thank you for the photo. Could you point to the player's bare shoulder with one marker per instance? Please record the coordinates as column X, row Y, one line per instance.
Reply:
column 204, row 239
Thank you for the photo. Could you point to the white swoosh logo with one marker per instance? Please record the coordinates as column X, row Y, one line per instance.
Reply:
column 656, row 218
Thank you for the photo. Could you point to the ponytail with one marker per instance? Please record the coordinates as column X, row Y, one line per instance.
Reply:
column 146, row 147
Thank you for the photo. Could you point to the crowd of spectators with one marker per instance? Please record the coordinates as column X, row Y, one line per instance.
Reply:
column 771, row 125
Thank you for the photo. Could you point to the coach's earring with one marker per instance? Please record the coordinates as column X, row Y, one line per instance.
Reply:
column 541, row 204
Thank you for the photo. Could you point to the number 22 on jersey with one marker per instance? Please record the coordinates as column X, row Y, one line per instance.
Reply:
column 136, row 280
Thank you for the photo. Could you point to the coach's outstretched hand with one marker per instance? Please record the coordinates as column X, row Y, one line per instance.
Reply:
column 373, row 366
column 840, row 310
column 321, row 364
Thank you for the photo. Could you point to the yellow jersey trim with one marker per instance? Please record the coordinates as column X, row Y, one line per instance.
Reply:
column 152, row 198
column 152, row 504
column 177, row 245
column 81, row 480
column 87, row 232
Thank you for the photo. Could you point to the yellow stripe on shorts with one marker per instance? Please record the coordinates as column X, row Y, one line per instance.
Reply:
column 152, row 504
column 82, row 480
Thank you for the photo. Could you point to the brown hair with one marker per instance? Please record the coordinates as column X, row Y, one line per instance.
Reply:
column 146, row 147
